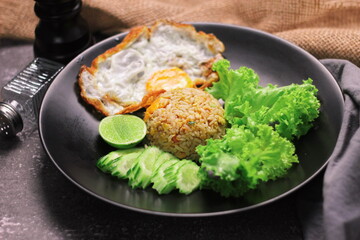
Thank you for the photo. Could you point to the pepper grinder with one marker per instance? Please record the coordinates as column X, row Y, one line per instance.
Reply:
column 61, row 33
column 60, row 36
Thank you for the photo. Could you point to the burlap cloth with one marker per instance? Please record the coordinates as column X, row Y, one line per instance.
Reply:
column 325, row 28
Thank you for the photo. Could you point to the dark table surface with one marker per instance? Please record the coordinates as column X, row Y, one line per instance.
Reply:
column 38, row 202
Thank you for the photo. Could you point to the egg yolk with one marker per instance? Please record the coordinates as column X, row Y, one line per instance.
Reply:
column 169, row 79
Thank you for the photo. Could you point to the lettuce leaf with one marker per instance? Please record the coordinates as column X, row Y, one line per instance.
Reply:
column 233, row 82
column 290, row 109
column 243, row 158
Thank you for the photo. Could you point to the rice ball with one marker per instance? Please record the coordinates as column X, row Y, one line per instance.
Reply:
column 181, row 119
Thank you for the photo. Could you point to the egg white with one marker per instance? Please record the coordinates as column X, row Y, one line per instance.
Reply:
column 125, row 73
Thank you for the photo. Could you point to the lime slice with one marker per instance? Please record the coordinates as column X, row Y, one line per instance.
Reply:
column 122, row 131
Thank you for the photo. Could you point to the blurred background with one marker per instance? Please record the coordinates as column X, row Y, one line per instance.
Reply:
column 325, row 28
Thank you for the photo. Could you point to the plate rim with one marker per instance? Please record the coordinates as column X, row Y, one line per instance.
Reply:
column 206, row 214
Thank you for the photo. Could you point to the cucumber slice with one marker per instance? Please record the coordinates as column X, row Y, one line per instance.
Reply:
column 188, row 178
column 160, row 184
column 140, row 173
column 170, row 172
column 105, row 162
column 164, row 156
column 122, row 164
column 100, row 162
column 167, row 182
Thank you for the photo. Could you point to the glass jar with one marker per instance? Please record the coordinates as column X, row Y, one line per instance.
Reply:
column 21, row 97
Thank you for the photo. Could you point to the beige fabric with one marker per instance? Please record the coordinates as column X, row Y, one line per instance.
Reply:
column 325, row 28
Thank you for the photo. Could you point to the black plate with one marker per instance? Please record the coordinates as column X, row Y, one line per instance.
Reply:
column 69, row 127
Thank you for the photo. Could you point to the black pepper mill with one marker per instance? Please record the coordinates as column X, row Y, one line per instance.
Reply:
column 61, row 33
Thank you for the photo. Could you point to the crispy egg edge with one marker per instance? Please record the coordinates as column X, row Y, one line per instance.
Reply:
column 213, row 44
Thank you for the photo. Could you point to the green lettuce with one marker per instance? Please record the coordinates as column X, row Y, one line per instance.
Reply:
column 291, row 109
column 243, row 158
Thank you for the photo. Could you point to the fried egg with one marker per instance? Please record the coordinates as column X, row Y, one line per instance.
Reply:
column 164, row 56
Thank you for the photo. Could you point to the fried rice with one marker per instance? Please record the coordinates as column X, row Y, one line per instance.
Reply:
column 181, row 119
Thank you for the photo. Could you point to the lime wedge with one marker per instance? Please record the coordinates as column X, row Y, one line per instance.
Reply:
column 122, row 131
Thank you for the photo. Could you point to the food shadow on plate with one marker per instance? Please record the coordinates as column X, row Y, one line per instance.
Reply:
column 118, row 190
